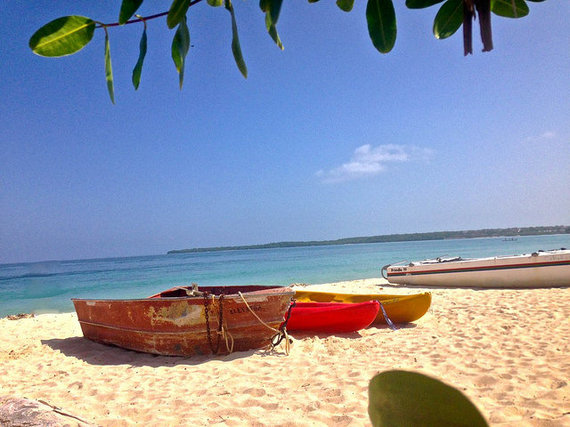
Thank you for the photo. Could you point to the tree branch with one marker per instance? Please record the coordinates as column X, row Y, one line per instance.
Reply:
column 144, row 18
column 468, row 13
column 484, row 12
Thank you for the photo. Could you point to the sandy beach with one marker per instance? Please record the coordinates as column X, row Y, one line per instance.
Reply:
column 507, row 350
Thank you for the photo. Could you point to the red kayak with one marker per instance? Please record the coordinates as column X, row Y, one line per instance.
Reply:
column 332, row 316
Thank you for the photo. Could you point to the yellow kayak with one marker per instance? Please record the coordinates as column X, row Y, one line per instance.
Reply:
column 399, row 308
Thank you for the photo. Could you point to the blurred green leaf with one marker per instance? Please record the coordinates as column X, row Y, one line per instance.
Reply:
column 400, row 398
column 108, row 68
column 128, row 9
column 177, row 12
column 448, row 19
column 505, row 8
column 62, row 36
column 381, row 20
column 216, row 3
column 180, row 47
column 272, row 8
column 138, row 67
column 313, row 1
column 345, row 5
column 420, row 4
column 236, row 48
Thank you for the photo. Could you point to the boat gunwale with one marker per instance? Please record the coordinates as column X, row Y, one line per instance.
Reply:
column 475, row 269
column 279, row 291
column 383, row 298
column 453, row 260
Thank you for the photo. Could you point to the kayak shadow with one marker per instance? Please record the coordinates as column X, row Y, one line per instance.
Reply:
column 349, row 335
column 409, row 325
column 107, row 355
column 308, row 334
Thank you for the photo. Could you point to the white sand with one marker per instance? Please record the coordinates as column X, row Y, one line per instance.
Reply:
column 507, row 350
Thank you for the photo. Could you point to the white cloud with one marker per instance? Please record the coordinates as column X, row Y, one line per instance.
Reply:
column 547, row 135
column 369, row 161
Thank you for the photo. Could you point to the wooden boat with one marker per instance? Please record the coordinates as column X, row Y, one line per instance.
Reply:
column 186, row 321
column 332, row 317
column 398, row 308
column 540, row 269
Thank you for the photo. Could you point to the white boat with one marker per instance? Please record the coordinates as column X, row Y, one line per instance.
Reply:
column 541, row 269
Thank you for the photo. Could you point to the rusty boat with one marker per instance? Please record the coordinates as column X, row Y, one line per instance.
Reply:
column 188, row 320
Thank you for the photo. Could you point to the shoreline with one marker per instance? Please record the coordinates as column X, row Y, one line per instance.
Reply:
column 512, row 232
column 506, row 350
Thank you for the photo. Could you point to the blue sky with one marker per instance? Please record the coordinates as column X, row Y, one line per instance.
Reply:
column 326, row 139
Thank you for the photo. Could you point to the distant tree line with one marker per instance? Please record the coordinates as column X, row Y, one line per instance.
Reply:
column 436, row 235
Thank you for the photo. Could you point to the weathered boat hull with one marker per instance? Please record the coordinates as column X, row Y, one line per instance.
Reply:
column 175, row 325
column 332, row 317
column 399, row 308
column 537, row 270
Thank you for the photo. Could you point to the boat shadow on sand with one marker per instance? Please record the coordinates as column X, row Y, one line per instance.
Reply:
column 108, row 355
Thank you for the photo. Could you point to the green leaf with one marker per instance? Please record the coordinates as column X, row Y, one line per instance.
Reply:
column 272, row 8
column 420, row 4
column 448, row 19
column 138, row 67
column 510, row 8
column 345, row 5
column 108, row 68
column 400, row 398
column 216, row 3
column 236, row 48
column 177, row 12
column 62, row 36
column 128, row 9
column 180, row 47
column 381, row 24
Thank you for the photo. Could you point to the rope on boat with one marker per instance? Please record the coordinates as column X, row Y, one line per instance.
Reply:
column 252, row 312
column 222, row 331
column 388, row 321
column 280, row 333
column 225, row 334
column 385, row 268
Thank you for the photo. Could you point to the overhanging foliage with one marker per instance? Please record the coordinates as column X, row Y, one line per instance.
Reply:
column 69, row 34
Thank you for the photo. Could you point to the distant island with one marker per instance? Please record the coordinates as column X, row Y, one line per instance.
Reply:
column 437, row 235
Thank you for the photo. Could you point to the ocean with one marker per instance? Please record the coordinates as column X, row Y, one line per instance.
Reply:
column 47, row 287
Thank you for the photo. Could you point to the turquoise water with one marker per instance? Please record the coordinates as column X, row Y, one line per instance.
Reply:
column 47, row 287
